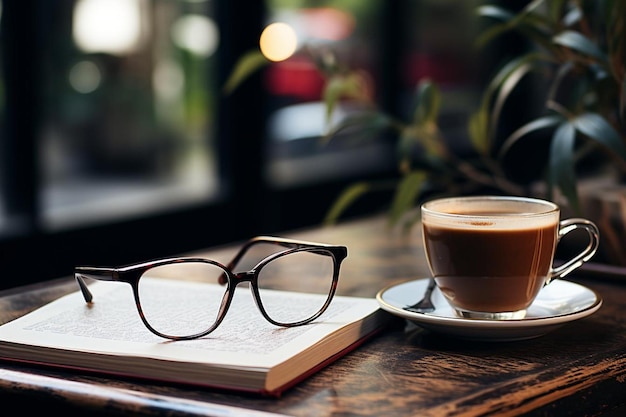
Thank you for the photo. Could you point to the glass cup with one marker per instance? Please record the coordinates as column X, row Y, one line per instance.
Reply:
column 491, row 255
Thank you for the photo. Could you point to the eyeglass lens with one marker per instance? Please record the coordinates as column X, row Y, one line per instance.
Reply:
column 304, row 272
column 181, row 311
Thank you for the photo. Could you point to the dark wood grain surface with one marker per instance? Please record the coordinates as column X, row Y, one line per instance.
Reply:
column 577, row 370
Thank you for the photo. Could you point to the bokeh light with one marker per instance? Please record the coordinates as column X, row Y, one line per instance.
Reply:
column 85, row 77
column 109, row 26
column 197, row 34
column 278, row 41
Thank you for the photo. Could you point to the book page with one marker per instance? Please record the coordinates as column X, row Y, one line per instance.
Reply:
column 112, row 325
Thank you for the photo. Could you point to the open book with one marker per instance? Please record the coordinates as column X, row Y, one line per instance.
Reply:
column 244, row 353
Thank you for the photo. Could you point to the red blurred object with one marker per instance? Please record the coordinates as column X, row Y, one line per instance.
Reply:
column 295, row 77
column 442, row 69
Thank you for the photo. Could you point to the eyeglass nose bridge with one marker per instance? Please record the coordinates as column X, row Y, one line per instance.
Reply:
column 244, row 276
column 237, row 277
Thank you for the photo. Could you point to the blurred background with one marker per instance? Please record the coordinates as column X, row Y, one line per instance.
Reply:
column 117, row 143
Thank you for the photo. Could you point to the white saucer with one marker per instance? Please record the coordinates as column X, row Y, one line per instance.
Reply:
column 558, row 303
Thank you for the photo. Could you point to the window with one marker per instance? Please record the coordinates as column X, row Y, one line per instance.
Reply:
column 110, row 132
column 128, row 120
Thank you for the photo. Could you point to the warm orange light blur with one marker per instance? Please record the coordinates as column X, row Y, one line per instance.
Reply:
column 278, row 41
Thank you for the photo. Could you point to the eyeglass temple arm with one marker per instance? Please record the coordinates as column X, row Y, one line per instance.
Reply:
column 287, row 243
column 101, row 274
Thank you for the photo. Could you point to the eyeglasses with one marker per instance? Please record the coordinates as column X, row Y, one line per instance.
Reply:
column 183, row 312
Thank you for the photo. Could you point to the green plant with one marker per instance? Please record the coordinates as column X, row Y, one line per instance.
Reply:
column 577, row 47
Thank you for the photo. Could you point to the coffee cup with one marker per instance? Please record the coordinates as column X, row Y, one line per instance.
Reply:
column 491, row 255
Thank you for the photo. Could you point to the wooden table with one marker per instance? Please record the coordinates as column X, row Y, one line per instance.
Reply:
column 577, row 370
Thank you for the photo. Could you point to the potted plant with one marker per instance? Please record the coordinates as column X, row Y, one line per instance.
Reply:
column 577, row 51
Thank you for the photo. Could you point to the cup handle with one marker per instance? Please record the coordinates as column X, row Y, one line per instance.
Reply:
column 569, row 225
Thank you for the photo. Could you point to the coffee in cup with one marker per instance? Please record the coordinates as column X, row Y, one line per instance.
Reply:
column 491, row 255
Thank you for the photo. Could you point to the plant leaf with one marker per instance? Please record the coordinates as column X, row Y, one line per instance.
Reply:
column 338, row 86
column 406, row 195
column 477, row 130
column 345, row 200
column 407, row 140
column 555, row 10
column 527, row 129
column 369, row 121
column 530, row 21
column 531, row 7
column 423, row 128
column 505, row 90
column 427, row 104
column 572, row 17
column 494, row 30
column 534, row 25
column 494, row 12
column 247, row 64
column 564, row 69
column 480, row 126
column 580, row 43
column 561, row 164
column 509, row 69
column 596, row 127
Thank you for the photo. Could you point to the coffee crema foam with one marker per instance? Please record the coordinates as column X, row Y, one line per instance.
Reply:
column 518, row 223
column 508, row 215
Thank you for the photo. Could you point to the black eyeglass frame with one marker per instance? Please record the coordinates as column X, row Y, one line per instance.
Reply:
column 131, row 274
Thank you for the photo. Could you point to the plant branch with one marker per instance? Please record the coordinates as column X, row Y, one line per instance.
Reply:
column 498, row 180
